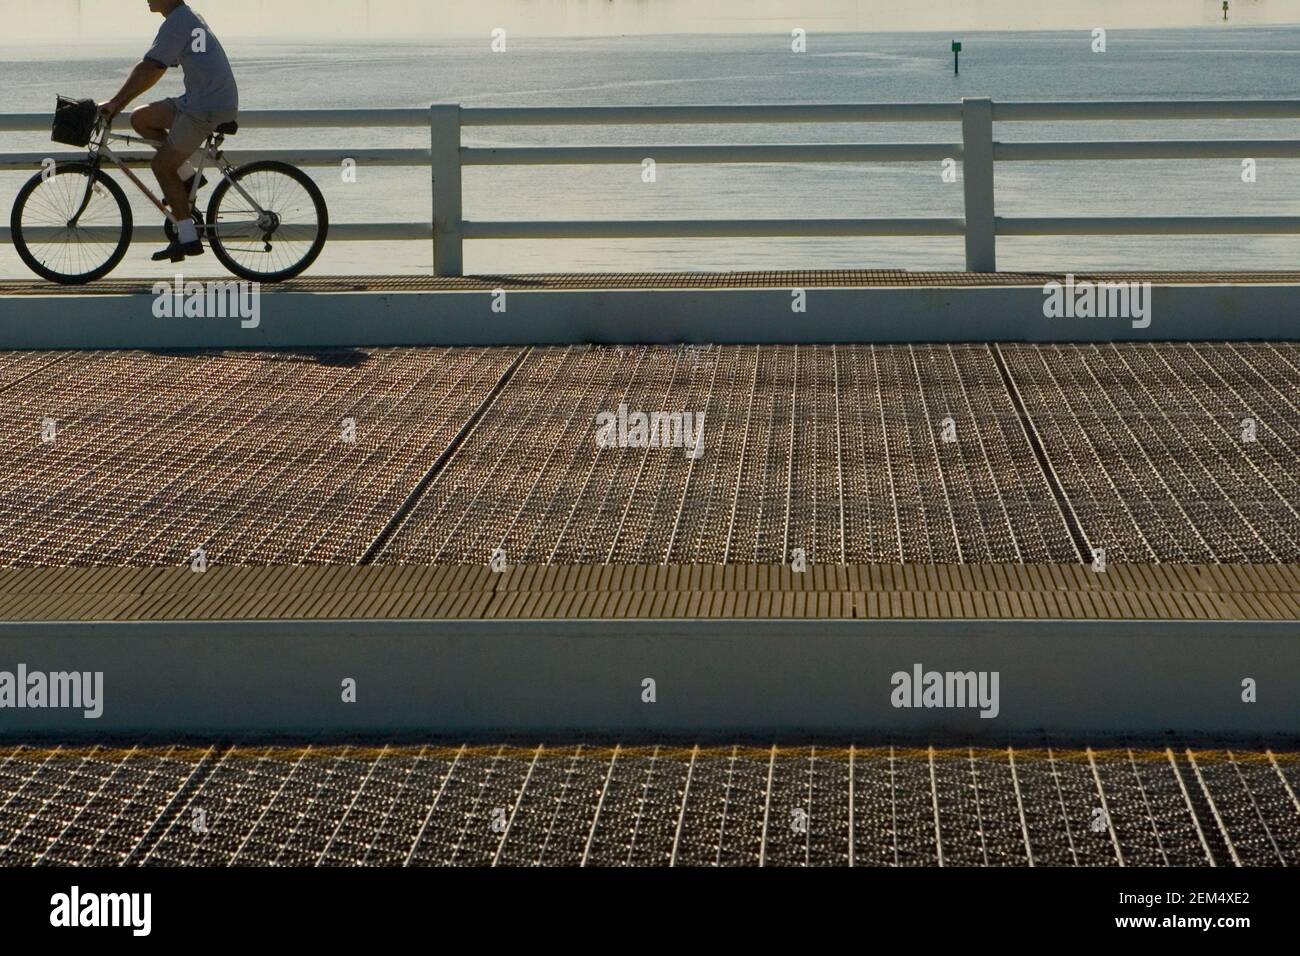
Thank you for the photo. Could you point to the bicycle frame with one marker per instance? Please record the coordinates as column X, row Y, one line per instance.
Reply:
column 211, row 152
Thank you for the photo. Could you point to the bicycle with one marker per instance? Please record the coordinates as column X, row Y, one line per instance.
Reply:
column 71, row 222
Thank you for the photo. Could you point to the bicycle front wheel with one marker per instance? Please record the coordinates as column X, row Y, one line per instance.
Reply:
column 267, row 222
column 72, row 225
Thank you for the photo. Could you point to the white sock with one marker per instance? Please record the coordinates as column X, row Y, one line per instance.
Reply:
column 187, row 232
column 186, row 171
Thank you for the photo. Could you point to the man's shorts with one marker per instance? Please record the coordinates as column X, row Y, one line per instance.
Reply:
column 190, row 128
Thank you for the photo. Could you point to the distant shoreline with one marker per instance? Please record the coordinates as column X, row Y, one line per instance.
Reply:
column 65, row 44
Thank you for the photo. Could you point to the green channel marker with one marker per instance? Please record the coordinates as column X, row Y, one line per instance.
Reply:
column 956, row 52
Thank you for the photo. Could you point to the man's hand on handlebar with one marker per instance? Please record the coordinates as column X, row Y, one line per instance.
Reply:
column 109, row 110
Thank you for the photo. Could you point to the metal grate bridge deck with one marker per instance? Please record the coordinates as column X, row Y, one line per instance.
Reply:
column 610, row 803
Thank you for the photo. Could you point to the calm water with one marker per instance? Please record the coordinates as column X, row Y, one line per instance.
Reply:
column 1175, row 64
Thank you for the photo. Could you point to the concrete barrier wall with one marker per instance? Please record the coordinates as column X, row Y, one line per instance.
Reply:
column 732, row 676
column 724, row 316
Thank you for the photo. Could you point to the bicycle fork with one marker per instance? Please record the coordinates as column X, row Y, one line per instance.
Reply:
column 85, row 200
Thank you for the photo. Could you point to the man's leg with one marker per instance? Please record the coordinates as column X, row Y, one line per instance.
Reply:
column 161, row 122
column 165, row 166
column 154, row 122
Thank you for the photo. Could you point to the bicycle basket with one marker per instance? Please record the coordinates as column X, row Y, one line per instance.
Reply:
column 74, row 121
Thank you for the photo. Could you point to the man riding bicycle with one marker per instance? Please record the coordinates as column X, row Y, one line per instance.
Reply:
column 182, row 123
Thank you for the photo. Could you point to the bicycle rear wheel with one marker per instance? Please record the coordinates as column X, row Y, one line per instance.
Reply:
column 64, row 253
column 280, row 240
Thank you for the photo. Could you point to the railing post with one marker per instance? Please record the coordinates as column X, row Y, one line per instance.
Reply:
column 444, row 161
column 977, row 182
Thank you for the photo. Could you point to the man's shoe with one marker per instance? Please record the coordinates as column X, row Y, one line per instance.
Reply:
column 178, row 251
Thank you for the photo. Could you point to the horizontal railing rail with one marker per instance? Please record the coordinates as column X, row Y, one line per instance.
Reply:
column 299, row 157
column 710, row 228
column 813, row 114
column 341, row 231
column 976, row 150
column 1145, row 110
column 758, row 153
column 263, row 119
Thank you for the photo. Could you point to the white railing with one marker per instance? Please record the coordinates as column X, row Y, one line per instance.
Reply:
column 977, row 150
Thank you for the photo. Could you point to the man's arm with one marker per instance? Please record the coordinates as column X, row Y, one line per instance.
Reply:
column 145, row 75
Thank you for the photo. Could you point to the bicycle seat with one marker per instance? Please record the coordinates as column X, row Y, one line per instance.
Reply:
column 228, row 129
